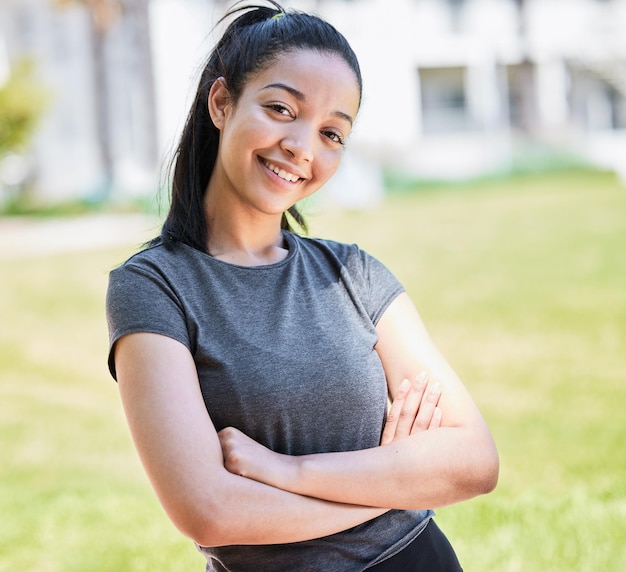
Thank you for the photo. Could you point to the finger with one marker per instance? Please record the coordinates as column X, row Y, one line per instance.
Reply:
column 436, row 420
column 411, row 406
column 427, row 408
column 389, row 431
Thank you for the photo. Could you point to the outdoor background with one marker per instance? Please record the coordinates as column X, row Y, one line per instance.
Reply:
column 519, row 274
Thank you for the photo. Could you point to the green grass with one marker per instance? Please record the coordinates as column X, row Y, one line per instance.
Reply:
column 522, row 283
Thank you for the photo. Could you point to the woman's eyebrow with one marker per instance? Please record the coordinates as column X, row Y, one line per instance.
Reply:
column 302, row 98
column 292, row 90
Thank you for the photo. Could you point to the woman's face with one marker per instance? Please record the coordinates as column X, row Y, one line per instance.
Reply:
column 284, row 137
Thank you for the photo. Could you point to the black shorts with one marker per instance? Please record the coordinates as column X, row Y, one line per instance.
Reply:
column 429, row 552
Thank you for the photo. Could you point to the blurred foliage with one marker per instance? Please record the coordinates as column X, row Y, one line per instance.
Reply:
column 23, row 204
column 530, row 160
column 22, row 102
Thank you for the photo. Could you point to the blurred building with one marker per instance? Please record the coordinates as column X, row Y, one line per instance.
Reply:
column 453, row 88
column 94, row 59
column 459, row 88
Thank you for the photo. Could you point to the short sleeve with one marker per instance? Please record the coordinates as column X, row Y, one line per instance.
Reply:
column 381, row 287
column 140, row 300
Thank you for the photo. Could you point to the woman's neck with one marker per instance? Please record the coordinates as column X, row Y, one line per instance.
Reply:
column 243, row 238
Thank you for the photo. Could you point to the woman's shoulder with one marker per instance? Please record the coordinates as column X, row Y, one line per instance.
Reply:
column 155, row 273
column 348, row 255
column 363, row 270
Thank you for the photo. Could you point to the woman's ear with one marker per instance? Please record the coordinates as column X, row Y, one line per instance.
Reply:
column 219, row 100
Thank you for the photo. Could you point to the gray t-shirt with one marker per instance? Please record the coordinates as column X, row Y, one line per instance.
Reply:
column 285, row 353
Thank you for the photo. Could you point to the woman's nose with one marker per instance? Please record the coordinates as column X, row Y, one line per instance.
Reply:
column 298, row 142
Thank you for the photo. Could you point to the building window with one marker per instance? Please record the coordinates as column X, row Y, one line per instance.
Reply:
column 598, row 100
column 444, row 100
column 522, row 104
column 617, row 101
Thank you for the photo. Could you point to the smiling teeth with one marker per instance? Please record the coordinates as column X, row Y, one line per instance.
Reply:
column 282, row 173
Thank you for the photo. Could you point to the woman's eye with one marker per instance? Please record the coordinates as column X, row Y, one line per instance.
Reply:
column 281, row 109
column 335, row 137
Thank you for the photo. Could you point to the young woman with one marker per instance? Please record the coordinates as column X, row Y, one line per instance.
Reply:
column 254, row 364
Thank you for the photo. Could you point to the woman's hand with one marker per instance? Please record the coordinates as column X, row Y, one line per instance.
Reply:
column 245, row 457
column 414, row 409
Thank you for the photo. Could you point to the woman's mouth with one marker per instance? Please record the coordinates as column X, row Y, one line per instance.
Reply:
column 281, row 172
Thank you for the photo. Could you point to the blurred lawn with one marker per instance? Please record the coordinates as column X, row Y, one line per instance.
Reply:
column 523, row 286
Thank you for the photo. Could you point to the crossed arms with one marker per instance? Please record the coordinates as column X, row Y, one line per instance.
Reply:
column 223, row 489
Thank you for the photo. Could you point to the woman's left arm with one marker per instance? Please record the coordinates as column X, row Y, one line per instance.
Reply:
column 427, row 469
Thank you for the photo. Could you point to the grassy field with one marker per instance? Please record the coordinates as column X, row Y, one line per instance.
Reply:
column 522, row 284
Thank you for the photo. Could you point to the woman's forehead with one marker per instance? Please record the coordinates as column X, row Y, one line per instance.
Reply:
column 305, row 73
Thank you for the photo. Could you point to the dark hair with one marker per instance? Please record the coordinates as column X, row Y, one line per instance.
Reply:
column 255, row 39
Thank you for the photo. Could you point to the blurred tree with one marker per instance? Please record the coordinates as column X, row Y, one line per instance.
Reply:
column 22, row 102
column 527, row 112
column 103, row 16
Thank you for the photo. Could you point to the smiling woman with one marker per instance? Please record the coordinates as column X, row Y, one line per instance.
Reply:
column 254, row 40
column 280, row 141
column 255, row 365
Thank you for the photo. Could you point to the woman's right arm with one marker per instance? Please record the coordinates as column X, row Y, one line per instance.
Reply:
column 181, row 453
